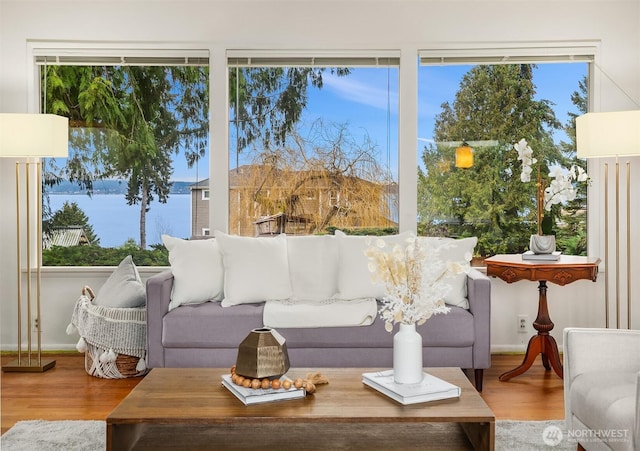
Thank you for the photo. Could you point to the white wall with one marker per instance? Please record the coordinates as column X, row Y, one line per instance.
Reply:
column 359, row 24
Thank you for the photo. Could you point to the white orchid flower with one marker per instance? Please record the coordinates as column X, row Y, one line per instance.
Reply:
column 557, row 172
column 582, row 175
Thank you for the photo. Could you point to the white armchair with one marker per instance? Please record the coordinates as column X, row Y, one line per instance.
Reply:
column 601, row 380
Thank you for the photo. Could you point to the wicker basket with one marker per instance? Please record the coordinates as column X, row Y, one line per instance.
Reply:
column 123, row 367
column 113, row 339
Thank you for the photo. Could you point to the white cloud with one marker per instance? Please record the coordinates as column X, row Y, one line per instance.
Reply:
column 359, row 91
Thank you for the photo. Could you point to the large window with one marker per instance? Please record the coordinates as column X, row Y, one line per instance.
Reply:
column 138, row 144
column 313, row 144
column 490, row 103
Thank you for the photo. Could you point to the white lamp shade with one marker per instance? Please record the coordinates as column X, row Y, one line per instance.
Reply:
column 609, row 134
column 33, row 135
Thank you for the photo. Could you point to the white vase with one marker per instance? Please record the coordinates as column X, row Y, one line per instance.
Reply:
column 542, row 244
column 407, row 355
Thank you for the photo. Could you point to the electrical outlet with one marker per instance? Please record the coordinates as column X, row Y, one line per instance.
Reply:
column 523, row 323
column 35, row 325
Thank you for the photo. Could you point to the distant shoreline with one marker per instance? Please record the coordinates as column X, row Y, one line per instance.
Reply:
column 114, row 222
column 110, row 187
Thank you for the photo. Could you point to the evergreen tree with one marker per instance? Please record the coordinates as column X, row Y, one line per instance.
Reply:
column 571, row 233
column 71, row 215
column 128, row 122
column 495, row 104
column 267, row 102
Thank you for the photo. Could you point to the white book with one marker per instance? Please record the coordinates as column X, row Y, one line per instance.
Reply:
column 530, row 255
column 251, row 396
column 431, row 388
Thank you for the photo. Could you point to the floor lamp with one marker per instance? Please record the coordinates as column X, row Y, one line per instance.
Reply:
column 612, row 134
column 30, row 136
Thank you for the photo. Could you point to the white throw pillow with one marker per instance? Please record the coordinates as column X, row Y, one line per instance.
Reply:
column 354, row 278
column 123, row 288
column 452, row 250
column 198, row 273
column 255, row 269
column 313, row 266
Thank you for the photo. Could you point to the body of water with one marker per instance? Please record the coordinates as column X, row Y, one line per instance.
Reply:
column 114, row 222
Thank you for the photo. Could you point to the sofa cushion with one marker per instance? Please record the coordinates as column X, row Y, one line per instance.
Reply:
column 210, row 325
column 455, row 251
column 313, row 266
column 255, row 269
column 123, row 288
column 605, row 401
column 197, row 270
column 354, row 278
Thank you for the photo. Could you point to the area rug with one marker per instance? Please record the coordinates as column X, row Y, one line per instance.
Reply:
column 90, row 436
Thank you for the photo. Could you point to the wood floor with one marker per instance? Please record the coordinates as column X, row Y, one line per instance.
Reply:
column 67, row 392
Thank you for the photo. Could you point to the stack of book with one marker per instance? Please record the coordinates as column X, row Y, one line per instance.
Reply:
column 430, row 389
column 260, row 395
column 530, row 255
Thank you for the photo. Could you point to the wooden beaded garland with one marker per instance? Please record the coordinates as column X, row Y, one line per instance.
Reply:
column 263, row 383
column 308, row 384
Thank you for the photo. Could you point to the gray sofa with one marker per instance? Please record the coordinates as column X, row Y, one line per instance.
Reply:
column 207, row 334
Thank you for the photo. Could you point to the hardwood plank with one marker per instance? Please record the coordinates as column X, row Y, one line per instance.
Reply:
column 537, row 394
column 67, row 392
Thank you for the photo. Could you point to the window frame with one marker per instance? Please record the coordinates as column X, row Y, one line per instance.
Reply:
column 243, row 58
column 42, row 53
column 409, row 56
column 587, row 51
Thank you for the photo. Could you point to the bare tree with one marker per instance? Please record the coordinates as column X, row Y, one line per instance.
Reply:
column 325, row 177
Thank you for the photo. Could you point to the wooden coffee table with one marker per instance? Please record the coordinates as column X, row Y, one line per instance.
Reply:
column 189, row 408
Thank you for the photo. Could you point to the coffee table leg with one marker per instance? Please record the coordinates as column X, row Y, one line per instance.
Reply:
column 481, row 435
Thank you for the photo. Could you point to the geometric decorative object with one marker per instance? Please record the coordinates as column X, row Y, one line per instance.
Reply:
column 612, row 134
column 30, row 136
column 263, row 353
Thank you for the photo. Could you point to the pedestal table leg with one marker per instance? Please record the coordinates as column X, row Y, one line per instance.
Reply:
column 541, row 343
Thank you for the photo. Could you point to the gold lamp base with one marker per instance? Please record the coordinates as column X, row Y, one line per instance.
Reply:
column 24, row 366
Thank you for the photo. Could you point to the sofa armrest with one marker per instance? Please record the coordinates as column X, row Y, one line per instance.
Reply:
column 479, row 296
column 597, row 349
column 158, row 297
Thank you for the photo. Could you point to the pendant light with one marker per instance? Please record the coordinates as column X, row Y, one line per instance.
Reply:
column 464, row 156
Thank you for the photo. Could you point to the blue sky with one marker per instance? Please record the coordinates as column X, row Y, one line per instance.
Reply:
column 367, row 100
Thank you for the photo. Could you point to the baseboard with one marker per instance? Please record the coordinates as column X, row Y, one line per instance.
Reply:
column 60, row 348
column 495, row 349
